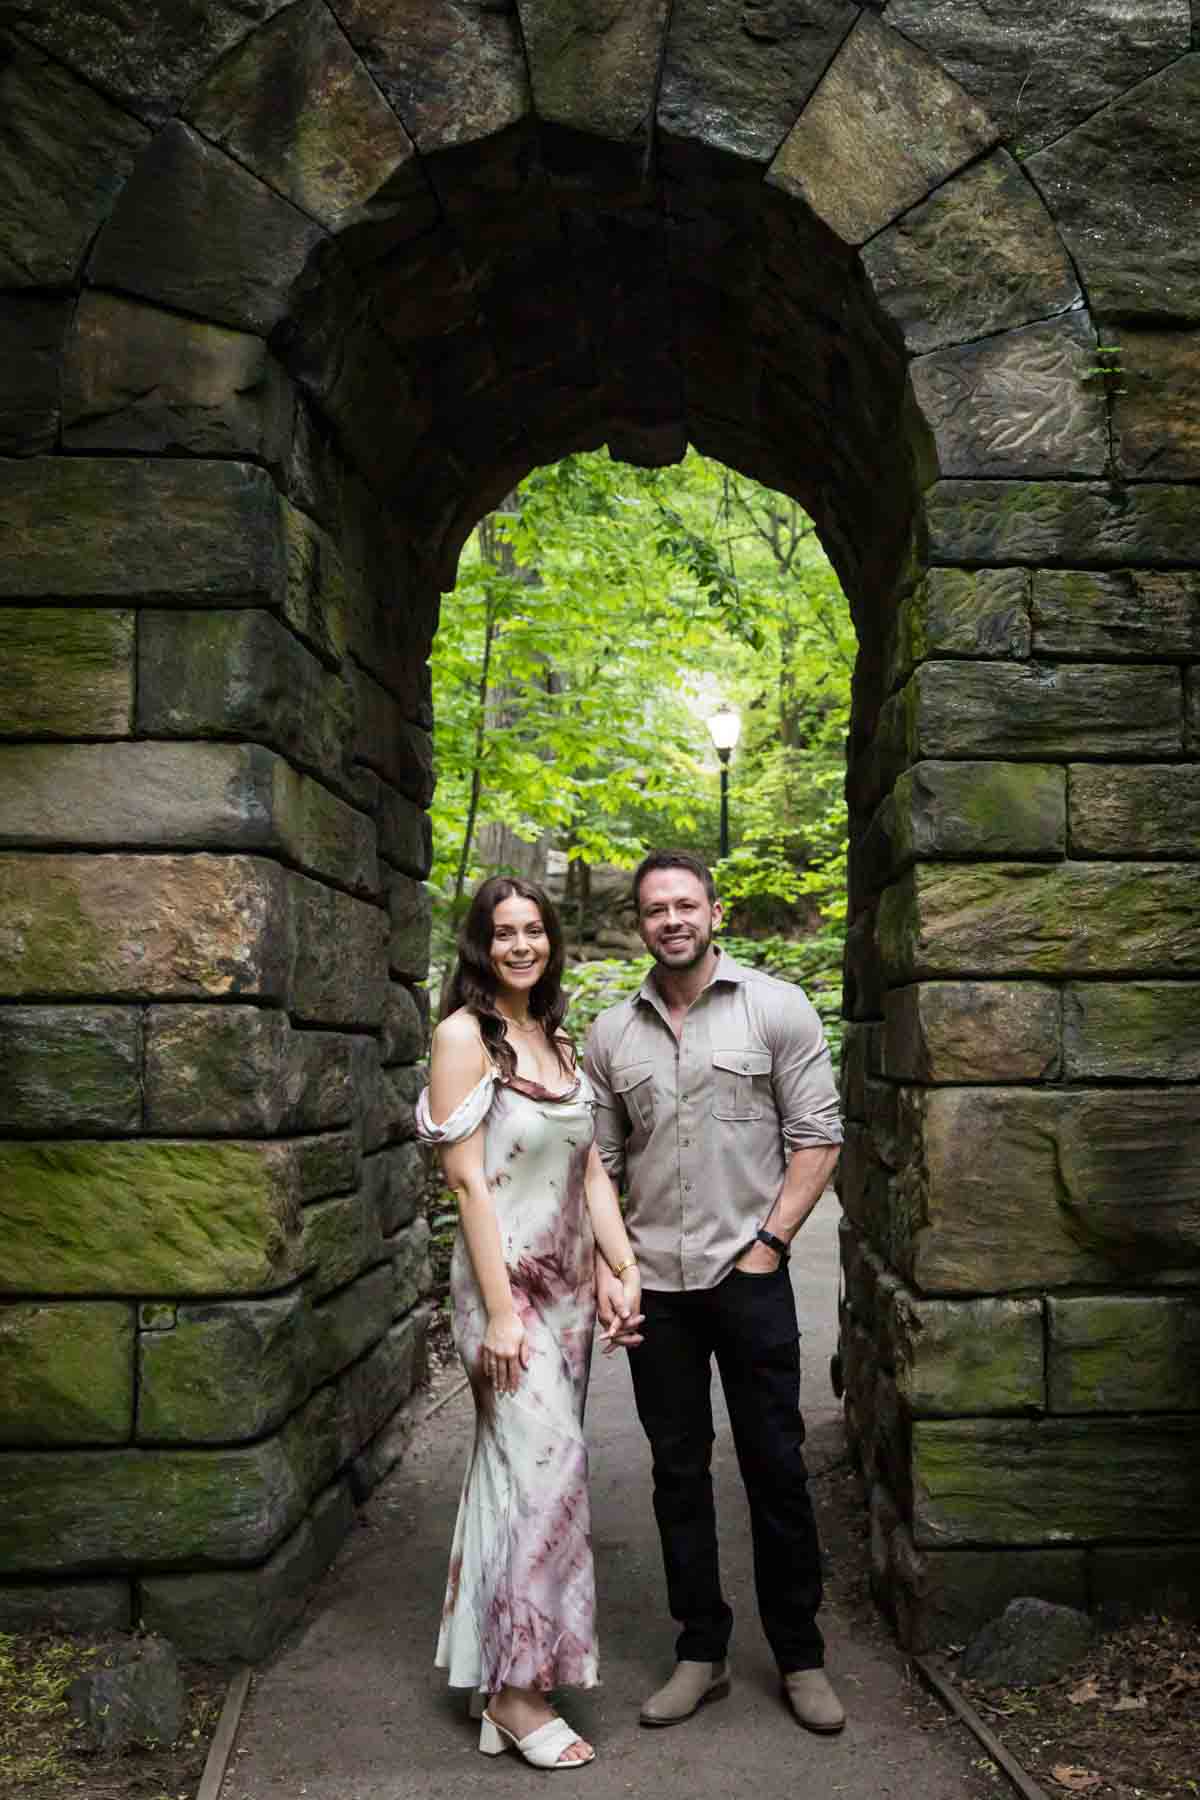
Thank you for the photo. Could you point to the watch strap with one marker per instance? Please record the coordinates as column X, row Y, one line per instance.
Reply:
column 773, row 1243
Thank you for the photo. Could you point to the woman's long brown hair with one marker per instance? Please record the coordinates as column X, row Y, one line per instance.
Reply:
column 473, row 983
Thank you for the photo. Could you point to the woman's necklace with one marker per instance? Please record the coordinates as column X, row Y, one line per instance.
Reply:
column 533, row 1025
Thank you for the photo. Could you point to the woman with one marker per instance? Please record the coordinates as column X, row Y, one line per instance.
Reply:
column 512, row 1115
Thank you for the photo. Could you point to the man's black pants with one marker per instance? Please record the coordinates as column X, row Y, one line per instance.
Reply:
column 748, row 1322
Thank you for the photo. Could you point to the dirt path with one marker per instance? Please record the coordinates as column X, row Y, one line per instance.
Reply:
column 351, row 1708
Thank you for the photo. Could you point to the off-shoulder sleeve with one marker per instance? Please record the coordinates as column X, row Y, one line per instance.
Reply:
column 467, row 1116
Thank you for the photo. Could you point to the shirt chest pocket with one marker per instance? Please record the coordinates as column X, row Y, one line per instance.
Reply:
column 740, row 1080
column 634, row 1086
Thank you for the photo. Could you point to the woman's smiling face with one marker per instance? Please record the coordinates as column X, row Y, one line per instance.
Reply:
column 520, row 946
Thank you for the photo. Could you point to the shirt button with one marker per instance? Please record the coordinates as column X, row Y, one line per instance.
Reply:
column 685, row 1142
column 687, row 1187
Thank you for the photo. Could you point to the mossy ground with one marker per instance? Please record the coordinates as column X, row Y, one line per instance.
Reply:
column 42, row 1751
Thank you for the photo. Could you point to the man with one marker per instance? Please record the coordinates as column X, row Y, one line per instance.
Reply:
column 716, row 1110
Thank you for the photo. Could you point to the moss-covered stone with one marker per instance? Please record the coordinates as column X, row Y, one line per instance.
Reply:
column 32, row 327
column 347, row 989
column 210, row 1069
column 148, row 1216
column 350, row 1321
column 138, row 378
column 1156, row 420
column 962, row 612
column 1063, row 523
column 69, row 1606
column 1114, row 1353
column 411, row 1274
column 403, row 1038
column 885, row 126
column 341, row 1238
column 314, row 595
column 394, row 1181
column 197, row 232
column 973, row 1357
column 1087, row 1187
column 1149, row 810
column 225, row 1615
column 70, row 1068
column 972, row 1031
column 143, row 927
column 68, row 1372
column 321, row 833
column 1125, row 613
column 1141, row 1030
column 370, row 1391
column 1030, row 712
column 75, row 1511
column 405, row 833
column 1071, row 918
column 941, row 1597
column 204, row 532
column 398, row 750
column 1005, row 1481
column 978, row 809
column 226, row 1370
column 69, row 671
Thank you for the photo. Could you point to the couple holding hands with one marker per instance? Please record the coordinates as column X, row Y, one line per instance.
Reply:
column 708, row 1097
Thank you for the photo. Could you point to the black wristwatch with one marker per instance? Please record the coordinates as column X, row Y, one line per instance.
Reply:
column 773, row 1243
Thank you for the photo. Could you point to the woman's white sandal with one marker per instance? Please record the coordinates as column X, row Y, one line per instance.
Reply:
column 543, row 1747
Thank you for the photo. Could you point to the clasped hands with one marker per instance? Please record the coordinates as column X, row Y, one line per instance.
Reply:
column 618, row 1308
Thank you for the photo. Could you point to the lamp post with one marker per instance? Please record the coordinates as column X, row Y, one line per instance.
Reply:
column 724, row 728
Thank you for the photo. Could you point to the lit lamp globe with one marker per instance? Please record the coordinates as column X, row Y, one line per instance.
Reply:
column 725, row 728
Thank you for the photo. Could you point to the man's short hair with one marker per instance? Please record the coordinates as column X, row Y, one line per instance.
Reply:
column 672, row 859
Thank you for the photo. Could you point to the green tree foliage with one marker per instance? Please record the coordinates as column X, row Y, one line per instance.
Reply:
column 598, row 618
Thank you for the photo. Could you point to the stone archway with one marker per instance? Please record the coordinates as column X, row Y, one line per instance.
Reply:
column 299, row 291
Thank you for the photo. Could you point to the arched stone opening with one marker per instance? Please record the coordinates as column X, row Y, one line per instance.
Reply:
column 314, row 298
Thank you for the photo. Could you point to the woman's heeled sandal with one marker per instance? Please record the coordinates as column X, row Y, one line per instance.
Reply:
column 542, row 1748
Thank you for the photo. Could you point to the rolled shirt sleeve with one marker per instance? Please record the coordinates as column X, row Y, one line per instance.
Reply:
column 806, row 1094
column 611, row 1124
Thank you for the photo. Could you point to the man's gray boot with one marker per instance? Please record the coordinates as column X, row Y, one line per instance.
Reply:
column 689, row 1687
column 813, row 1700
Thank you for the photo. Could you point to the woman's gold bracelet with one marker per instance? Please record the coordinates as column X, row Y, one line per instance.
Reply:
column 629, row 1263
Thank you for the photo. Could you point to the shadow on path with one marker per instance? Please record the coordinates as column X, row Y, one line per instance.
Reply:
column 352, row 1709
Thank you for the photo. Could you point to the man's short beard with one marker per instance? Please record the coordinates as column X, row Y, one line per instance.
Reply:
column 691, row 962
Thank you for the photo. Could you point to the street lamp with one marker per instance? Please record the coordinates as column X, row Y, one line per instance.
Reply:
column 724, row 728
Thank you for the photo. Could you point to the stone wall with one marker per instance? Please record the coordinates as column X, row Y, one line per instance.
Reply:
column 295, row 292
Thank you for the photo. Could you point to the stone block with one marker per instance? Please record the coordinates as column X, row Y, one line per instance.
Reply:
column 294, row 104
column 735, row 82
column 239, row 1615
column 1064, row 1480
column 244, row 1069
column 980, row 255
column 1114, row 189
column 963, row 612
column 395, row 1180
column 1191, row 724
column 411, row 1273
column 347, row 989
column 1114, row 1353
column 601, row 79
column 411, row 911
column 943, row 1596
column 1129, row 1582
column 1156, row 420
column 70, row 1511
column 1064, row 523
column 1087, row 1187
column 136, row 1701
column 1131, row 1030
column 885, row 126
column 956, row 1357
column 1149, row 810
column 371, row 1389
column 324, row 1163
column 863, row 971
column 1032, row 711
column 1019, row 404
column 1031, row 1642
column 332, row 1520
column 148, row 1216
column 32, row 327
column 350, row 1321
column 388, row 743
column 195, row 231
column 67, row 153
column 404, row 1038
column 67, row 1606
column 1073, row 918
column 405, row 833
column 453, row 77
column 143, row 927
column 964, row 1031
column 68, row 1372
column 314, row 596
column 341, row 1238
column 70, row 1068
column 1038, row 74
column 1131, row 613
column 978, row 809
column 69, row 671
column 243, row 674
column 186, row 532
column 226, row 1370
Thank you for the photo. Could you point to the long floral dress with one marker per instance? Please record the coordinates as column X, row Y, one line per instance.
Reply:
column 520, row 1598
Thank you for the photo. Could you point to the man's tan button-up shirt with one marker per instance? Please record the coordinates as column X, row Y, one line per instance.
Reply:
column 699, row 1129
